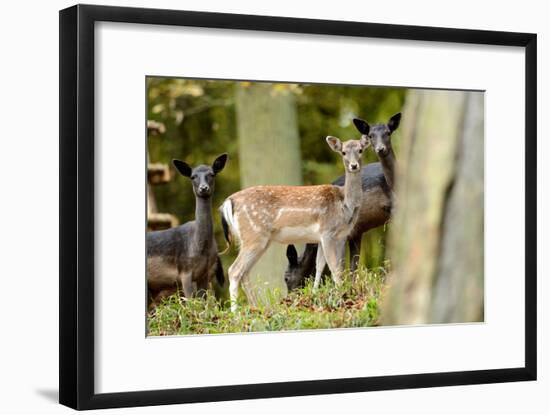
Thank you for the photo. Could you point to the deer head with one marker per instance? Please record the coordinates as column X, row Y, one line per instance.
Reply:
column 351, row 151
column 379, row 135
column 202, row 176
column 294, row 273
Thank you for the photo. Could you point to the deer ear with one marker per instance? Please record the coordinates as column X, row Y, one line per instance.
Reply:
column 394, row 121
column 292, row 255
column 334, row 143
column 219, row 163
column 182, row 167
column 362, row 126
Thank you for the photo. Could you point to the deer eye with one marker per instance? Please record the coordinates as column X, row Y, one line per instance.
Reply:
column 193, row 176
column 343, row 153
column 360, row 151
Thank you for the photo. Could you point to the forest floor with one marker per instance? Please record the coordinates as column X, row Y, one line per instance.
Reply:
column 350, row 305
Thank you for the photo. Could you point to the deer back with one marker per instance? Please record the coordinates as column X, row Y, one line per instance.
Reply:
column 299, row 213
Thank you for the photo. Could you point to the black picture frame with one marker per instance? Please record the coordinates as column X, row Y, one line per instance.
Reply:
column 76, row 279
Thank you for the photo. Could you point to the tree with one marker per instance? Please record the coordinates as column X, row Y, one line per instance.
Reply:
column 269, row 153
column 436, row 240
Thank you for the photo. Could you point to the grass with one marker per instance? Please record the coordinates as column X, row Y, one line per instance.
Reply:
column 350, row 305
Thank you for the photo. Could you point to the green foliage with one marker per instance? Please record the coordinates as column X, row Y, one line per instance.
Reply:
column 200, row 124
column 350, row 305
column 329, row 110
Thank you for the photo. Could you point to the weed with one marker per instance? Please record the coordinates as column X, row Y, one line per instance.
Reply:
column 349, row 305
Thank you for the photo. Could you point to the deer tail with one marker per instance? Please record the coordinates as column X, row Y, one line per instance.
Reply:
column 229, row 225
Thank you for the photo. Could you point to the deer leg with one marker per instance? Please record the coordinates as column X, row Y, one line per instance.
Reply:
column 186, row 281
column 354, row 252
column 155, row 298
column 333, row 250
column 202, row 289
column 247, row 258
column 152, row 299
column 320, row 263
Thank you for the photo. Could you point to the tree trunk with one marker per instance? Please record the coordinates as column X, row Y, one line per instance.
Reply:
column 269, row 153
column 436, row 240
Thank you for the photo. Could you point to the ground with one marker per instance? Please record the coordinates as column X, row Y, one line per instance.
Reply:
column 351, row 305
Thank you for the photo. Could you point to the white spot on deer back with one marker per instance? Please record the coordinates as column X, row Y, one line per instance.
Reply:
column 307, row 211
column 255, row 226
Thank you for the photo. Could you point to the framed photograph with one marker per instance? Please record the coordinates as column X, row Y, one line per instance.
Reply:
column 258, row 206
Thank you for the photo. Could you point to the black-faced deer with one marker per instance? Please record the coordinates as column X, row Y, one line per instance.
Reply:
column 323, row 214
column 186, row 257
column 376, row 205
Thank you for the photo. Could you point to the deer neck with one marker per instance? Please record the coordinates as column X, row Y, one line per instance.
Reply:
column 353, row 193
column 388, row 167
column 203, row 222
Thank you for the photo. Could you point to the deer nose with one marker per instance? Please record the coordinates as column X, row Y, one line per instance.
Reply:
column 203, row 188
column 354, row 166
column 381, row 151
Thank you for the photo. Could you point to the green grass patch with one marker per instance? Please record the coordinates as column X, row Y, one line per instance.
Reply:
column 350, row 305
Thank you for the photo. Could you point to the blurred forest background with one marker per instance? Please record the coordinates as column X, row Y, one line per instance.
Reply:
column 274, row 133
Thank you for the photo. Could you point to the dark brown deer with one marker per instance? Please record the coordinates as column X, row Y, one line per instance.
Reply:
column 186, row 257
column 376, row 205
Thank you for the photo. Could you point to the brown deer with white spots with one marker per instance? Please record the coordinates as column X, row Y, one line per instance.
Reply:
column 376, row 206
column 323, row 214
